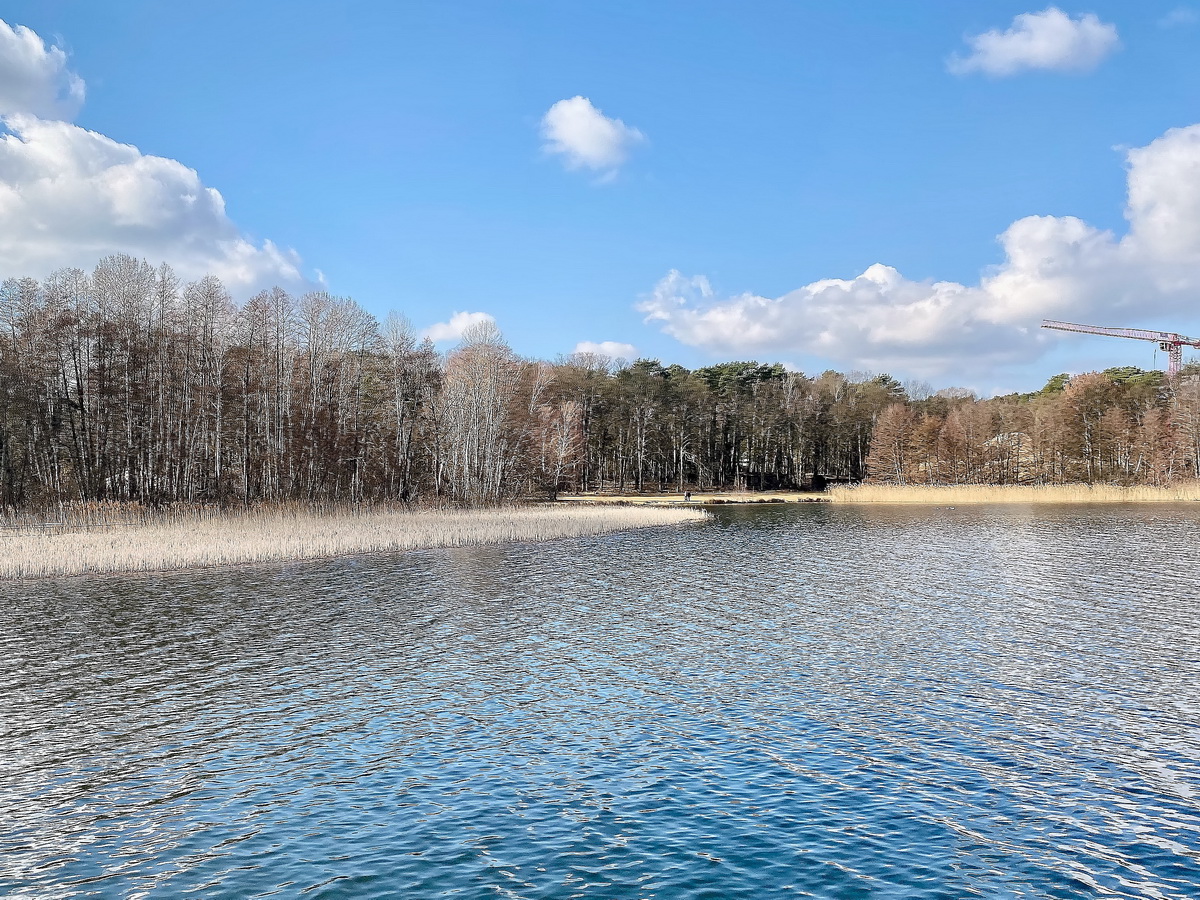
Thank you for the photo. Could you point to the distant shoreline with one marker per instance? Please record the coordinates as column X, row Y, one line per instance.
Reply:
column 693, row 498
column 235, row 538
column 943, row 495
column 928, row 494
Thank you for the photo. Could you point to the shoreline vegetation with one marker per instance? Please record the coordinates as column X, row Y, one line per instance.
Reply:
column 962, row 494
column 934, row 495
column 698, row 498
column 207, row 538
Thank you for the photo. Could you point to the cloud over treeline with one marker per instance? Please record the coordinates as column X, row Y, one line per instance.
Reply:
column 69, row 196
column 1057, row 267
column 614, row 350
column 456, row 326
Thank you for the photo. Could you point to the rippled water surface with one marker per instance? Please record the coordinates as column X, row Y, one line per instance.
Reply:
column 789, row 701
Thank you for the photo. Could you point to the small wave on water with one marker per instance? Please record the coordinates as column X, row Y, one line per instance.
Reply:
column 792, row 701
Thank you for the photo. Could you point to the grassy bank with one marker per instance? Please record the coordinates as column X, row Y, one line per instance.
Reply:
column 951, row 495
column 230, row 538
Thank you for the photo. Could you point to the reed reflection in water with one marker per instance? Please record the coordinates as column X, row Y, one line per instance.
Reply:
column 791, row 701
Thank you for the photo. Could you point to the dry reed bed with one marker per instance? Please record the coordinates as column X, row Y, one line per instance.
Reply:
column 943, row 495
column 252, row 537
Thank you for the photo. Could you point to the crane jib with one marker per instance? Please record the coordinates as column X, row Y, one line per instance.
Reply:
column 1168, row 341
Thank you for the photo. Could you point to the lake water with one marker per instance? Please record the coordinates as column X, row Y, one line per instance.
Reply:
column 801, row 700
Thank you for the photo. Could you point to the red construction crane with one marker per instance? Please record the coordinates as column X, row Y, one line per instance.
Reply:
column 1170, row 343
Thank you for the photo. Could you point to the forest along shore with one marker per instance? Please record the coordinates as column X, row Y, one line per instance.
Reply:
column 955, row 494
column 127, row 385
column 282, row 535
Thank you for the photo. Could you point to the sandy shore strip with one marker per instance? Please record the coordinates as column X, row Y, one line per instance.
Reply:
column 963, row 494
column 698, row 498
column 256, row 537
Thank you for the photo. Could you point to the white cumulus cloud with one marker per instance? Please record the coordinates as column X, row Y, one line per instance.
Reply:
column 69, row 196
column 34, row 78
column 453, row 329
column 611, row 349
column 585, row 138
column 1054, row 267
column 1050, row 39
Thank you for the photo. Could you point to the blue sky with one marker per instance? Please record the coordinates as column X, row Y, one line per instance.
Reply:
column 400, row 152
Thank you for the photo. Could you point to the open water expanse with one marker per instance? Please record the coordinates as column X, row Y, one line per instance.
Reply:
column 801, row 700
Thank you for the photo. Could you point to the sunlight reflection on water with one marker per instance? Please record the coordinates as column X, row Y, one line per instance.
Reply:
column 791, row 701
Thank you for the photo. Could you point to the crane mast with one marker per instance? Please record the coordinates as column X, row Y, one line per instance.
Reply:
column 1170, row 343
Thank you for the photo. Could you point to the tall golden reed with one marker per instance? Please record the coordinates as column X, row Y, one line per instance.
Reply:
column 289, row 534
column 952, row 494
